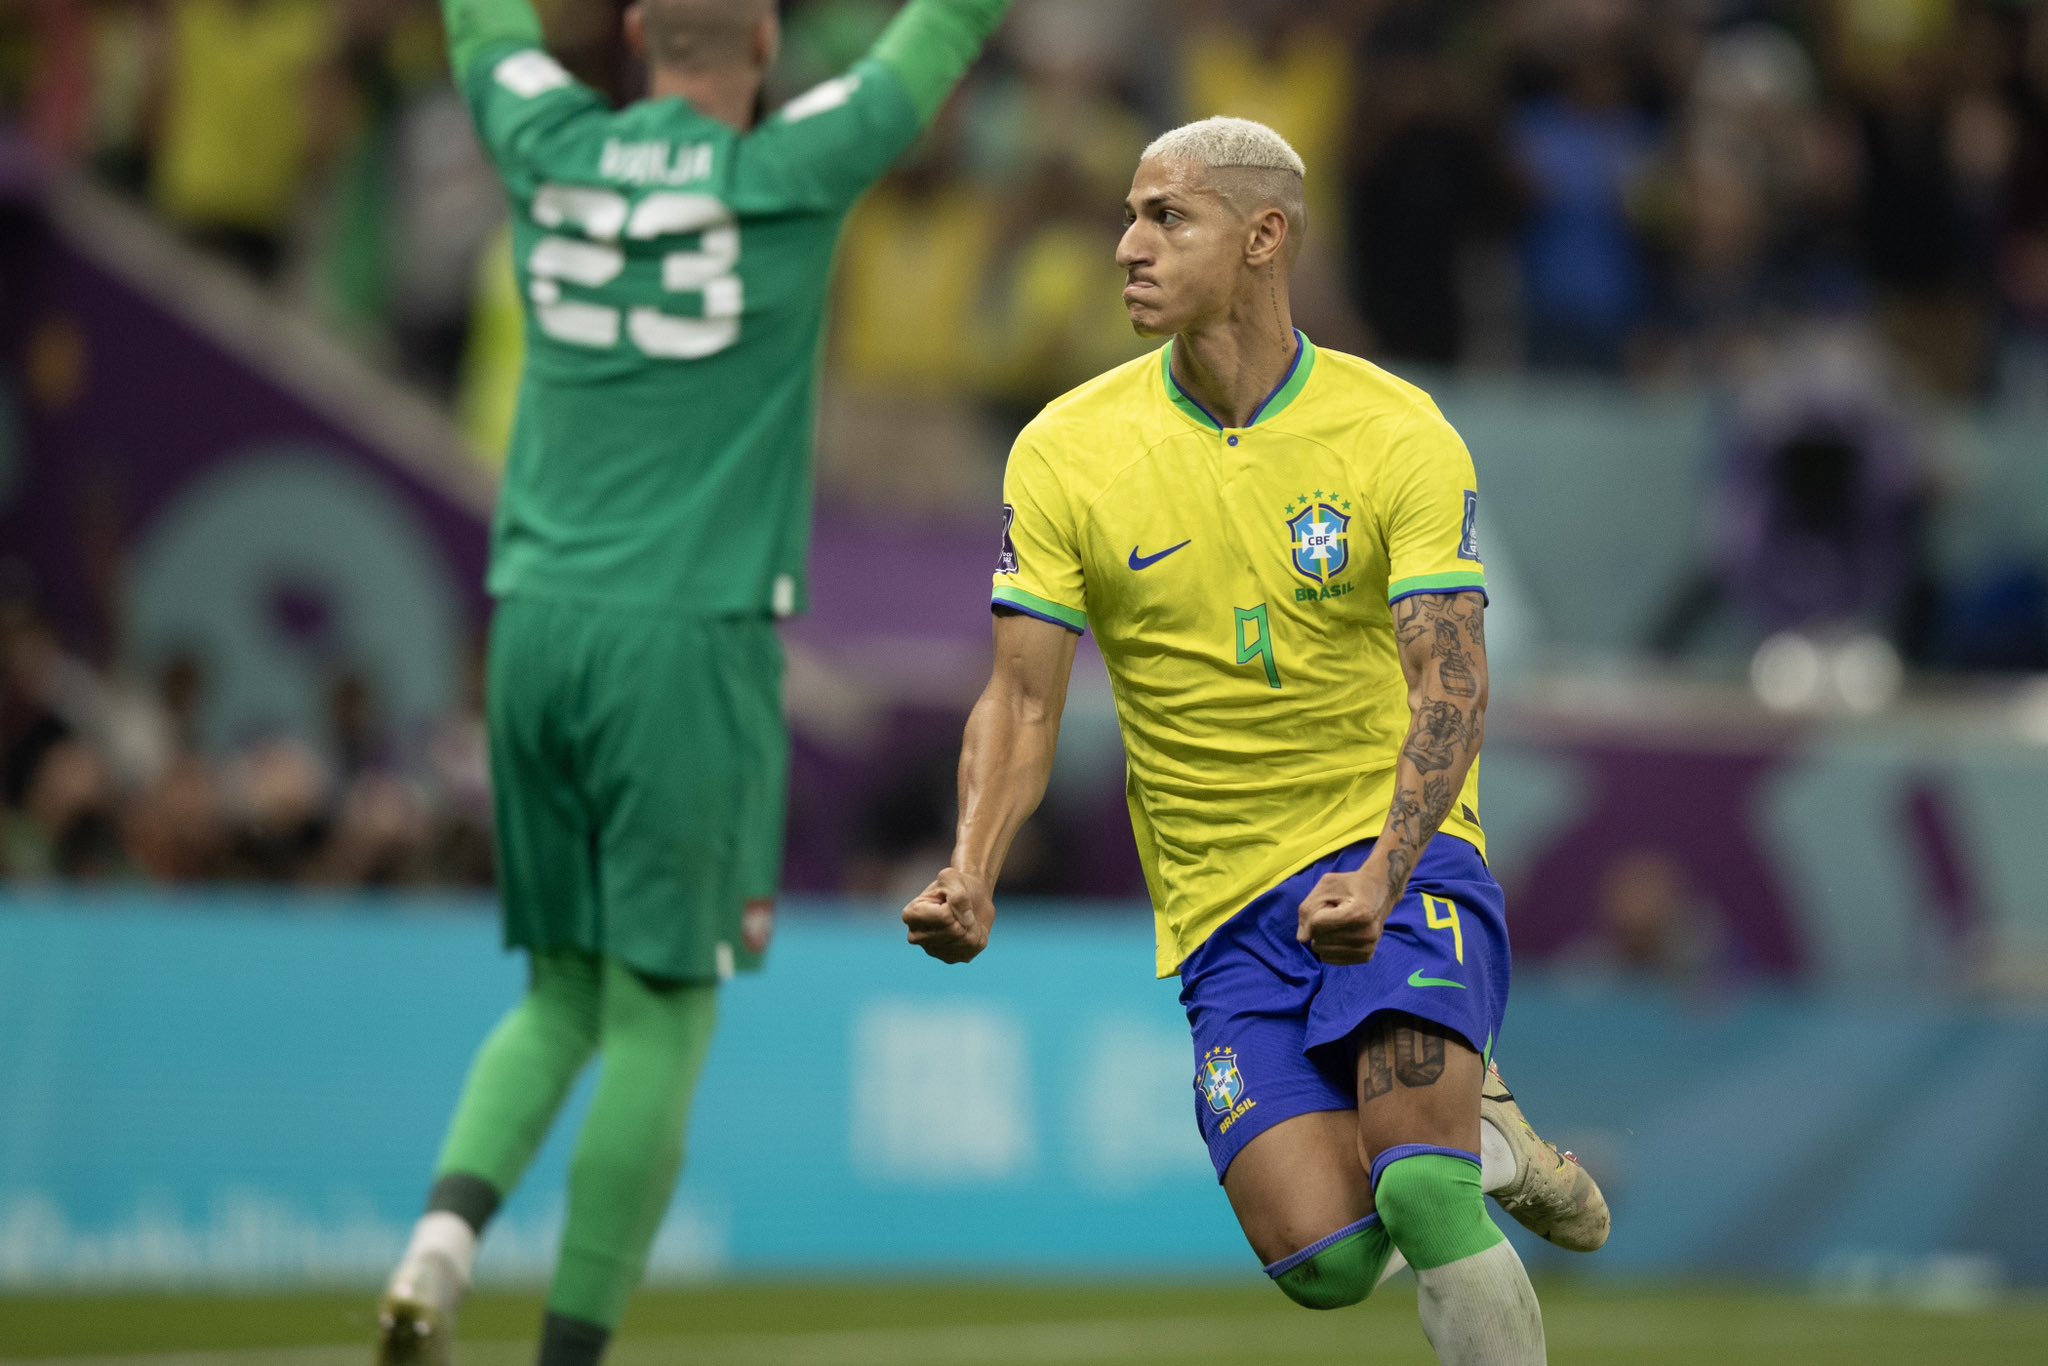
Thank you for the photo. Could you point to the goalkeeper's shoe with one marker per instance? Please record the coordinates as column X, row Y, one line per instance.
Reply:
column 1551, row 1195
column 416, row 1318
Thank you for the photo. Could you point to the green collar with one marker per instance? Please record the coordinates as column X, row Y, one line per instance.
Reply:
column 1290, row 387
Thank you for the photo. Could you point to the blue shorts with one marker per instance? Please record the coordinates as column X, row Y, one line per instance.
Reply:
column 1275, row 1027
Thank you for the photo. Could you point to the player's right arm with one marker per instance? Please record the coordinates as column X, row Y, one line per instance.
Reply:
column 1006, row 758
column 830, row 143
column 476, row 25
column 516, row 92
column 1005, row 763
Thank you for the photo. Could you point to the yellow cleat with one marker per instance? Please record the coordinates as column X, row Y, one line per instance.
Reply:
column 1552, row 1195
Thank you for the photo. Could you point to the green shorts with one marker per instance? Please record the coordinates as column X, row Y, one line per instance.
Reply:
column 640, row 770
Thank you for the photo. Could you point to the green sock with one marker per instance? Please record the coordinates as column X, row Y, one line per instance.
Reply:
column 520, row 1077
column 655, row 1037
column 1434, row 1210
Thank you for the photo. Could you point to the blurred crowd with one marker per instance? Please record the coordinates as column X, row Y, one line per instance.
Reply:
column 108, row 778
column 1640, row 188
column 1661, row 193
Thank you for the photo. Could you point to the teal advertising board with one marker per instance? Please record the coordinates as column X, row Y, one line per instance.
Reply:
column 235, row 1088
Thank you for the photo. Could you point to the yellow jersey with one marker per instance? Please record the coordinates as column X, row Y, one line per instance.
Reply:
column 1239, row 581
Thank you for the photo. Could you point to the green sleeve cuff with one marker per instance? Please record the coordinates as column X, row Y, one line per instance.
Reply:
column 1007, row 595
column 474, row 25
column 931, row 43
column 1457, row 581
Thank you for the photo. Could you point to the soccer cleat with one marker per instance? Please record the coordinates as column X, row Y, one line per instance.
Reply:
column 1552, row 1195
column 416, row 1318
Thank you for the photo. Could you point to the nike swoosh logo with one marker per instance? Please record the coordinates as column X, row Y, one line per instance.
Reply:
column 1147, row 561
column 1416, row 979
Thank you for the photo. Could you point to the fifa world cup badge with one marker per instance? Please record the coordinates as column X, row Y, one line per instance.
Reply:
column 1222, row 1084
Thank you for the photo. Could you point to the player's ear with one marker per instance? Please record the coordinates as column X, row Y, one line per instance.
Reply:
column 636, row 33
column 767, row 39
column 1267, row 239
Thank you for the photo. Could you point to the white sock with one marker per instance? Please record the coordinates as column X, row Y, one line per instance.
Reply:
column 1481, row 1311
column 446, row 1236
column 1496, row 1158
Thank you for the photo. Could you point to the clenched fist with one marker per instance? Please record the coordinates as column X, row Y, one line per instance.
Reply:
column 1342, row 917
column 950, row 919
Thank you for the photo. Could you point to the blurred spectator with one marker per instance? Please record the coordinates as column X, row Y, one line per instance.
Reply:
column 899, row 429
column 253, row 101
column 918, row 247
column 176, row 830
column 380, row 838
column 2022, row 251
column 1653, row 927
column 1820, row 516
column 1913, row 219
column 1057, row 304
column 1285, row 63
column 357, row 737
column 1428, row 189
column 278, row 804
column 1763, row 185
column 447, row 210
column 181, row 690
column 459, row 780
column 1584, row 151
column 1652, row 192
column 53, row 695
column 66, row 827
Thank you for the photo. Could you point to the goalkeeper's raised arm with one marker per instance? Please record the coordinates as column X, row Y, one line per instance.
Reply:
column 931, row 43
column 928, row 46
column 474, row 25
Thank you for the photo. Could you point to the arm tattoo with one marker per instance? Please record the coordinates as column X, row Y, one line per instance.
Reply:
column 1455, row 670
column 1442, row 641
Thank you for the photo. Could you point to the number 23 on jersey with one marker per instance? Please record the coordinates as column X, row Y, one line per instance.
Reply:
column 595, row 259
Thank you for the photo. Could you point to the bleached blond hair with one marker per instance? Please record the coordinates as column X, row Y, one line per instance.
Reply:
column 1225, row 143
column 1249, row 164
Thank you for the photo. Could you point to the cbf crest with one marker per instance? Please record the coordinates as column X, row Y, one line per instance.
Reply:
column 1220, row 1081
column 1319, row 533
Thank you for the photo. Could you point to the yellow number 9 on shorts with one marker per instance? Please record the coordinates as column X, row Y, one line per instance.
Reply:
column 1442, row 914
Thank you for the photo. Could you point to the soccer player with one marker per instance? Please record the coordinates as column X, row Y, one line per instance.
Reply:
column 1274, row 546
column 653, row 525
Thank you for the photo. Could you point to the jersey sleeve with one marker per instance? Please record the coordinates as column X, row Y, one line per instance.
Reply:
column 1429, row 517
column 519, row 96
column 825, row 147
column 1039, row 570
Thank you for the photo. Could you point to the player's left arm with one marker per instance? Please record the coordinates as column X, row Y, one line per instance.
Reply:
column 1437, row 591
column 825, row 147
column 1442, row 640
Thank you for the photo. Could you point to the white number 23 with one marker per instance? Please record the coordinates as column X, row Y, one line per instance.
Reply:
column 596, row 259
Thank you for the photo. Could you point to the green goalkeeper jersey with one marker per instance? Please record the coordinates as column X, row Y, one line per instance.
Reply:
column 675, row 272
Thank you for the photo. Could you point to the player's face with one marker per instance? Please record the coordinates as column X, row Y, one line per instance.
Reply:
column 1183, row 249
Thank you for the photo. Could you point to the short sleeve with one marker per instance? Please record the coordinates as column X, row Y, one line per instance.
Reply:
column 1039, row 569
column 518, row 95
column 823, row 149
column 1429, row 513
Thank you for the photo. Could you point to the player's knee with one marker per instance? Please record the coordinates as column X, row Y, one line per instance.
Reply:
column 1336, row 1271
column 1432, row 1205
